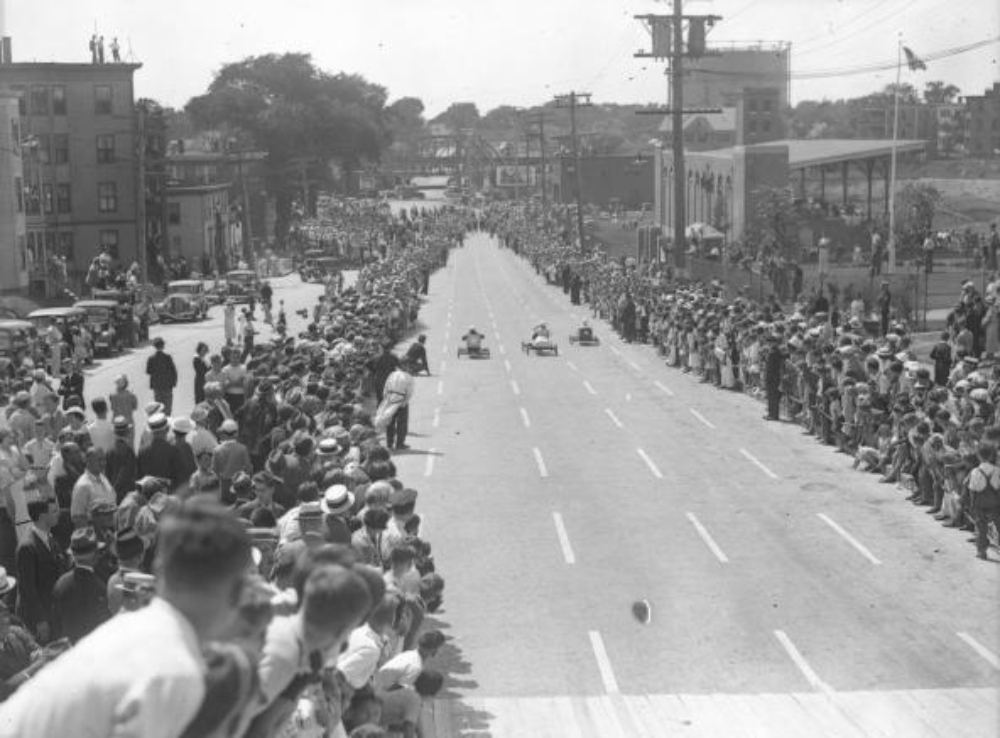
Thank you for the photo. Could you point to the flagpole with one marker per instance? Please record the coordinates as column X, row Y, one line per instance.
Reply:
column 892, row 159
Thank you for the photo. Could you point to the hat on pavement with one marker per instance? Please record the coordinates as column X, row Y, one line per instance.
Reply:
column 83, row 540
column 402, row 497
column 337, row 500
column 229, row 427
column 181, row 425
column 128, row 545
column 157, row 422
column 7, row 583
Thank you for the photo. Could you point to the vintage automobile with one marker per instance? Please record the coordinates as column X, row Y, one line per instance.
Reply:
column 104, row 322
column 179, row 307
column 62, row 318
column 241, row 285
column 195, row 288
column 318, row 269
column 17, row 340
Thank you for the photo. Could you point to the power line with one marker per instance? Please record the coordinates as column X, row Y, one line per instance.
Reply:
column 823, row 37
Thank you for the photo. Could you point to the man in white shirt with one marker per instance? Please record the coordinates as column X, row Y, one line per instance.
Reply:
column 403, row 670
column 102, row 432
column 141, row 674
column 91, row 487
column 398, row 392
column 360, row 660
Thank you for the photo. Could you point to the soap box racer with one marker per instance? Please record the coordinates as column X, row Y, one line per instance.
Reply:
column 473, row 347
column 584, row 336
column 541, row 342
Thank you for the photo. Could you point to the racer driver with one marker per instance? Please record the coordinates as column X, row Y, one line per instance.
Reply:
column 540, row 336
column 473, row 341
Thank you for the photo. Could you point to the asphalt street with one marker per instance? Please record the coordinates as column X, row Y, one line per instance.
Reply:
column 789, row 594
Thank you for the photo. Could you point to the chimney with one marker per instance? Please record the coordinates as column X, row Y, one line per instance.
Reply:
column 5, row 43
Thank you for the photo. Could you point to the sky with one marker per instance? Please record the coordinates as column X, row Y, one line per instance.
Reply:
column 492, row 52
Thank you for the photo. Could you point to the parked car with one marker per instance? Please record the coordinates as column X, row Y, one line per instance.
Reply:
column 63, row 318
column 241, row 284
column 17, row 340
column 195, row 288
column 103, row 321
column 179, row 307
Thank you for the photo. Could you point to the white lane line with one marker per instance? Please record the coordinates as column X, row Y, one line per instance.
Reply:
column 705, row 421
column 991, row 658
column 603, row 663
column 707, row 538
column 614, row 418
column 437, row 417
column 498, row 333
column 440, row 386
column 542, row 469
column 590, row 389
column 444, row 365
column 429, row 464
column 635, row 366
column 506, row 365
column 444, row 349
column 502, row 349
column 807, row 671
column 571, row 365
column 524, row 418
column 756, row 462
column 849, row 538
column 567, row 549
column 649, row 462
column 615, row 351
column 515, row 387
column 666, row 389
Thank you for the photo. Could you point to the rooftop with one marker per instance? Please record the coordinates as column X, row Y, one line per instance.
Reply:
column 804, row 153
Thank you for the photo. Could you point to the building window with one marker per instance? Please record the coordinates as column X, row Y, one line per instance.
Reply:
column 106, row 148
column 60, row 148
column 64, row 203
column 752, row 105
column 59, row 100
column 15, row 134
column 765, row 105
column 107, row 197
column 174, row 213
column 39, row 101
column 19, row 193
column 66, row 245
column 765, row 126
column 752, row 126
column 22, row 99
column 102, row 99
column 48, row 201
column 32, row 200
column 44, row 148
column 109, row 243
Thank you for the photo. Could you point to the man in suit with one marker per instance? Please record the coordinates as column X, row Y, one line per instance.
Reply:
column 80, row 598
column 121, row 466
column 40, row 562
column 161, row 458
column 162, row 375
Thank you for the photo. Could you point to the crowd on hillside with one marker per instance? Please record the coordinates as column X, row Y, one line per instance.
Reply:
column 251, row 565
column 850, row 377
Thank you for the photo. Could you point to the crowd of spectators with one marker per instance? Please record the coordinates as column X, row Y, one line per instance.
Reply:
column 851, row 378
column 254, row 567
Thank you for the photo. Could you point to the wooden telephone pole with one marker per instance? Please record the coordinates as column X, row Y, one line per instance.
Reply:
column 575, row 100
column 667, row 33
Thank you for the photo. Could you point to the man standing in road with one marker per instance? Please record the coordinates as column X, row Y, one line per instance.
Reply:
column 162, row 375
column 773, row 369
column 398, row 392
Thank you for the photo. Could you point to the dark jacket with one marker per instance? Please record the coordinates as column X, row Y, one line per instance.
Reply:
column 161, row 459
column 162, row 372
column 38, row 570
column 79, row 604
column 121, row 467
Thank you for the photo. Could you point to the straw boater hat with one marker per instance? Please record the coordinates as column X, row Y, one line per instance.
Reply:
column 337, row 500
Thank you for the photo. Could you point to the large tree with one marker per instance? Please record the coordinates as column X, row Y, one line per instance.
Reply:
column 940, row 93
column 459, row 116
column 303, row 117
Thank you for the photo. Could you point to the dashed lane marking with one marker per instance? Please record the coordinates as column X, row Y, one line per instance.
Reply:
column 756, row 462
column 437, row 417
column 707, row 538
column 502, row 349
column 603, row 663
column 440, row 386
column 567, row 549
column 665, row 389
column 540, row 462
column 524, row 418
column 800, row 662
column 571, row 365
column 635, row 366
column 649, row 462
column 590, row 389
column 987, row 654
column 705, row 421
column 615, row 351
column 444, row 349
column 614, row 418
column 515, row 387
column 506, row 365
column 444, row 365
column 429, row 464
column 849, row 538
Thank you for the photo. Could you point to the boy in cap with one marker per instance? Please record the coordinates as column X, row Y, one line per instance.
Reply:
column 230, row 458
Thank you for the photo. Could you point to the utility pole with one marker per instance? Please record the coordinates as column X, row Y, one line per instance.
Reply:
column 667, row 33
column 539, row 120
column 575, row 100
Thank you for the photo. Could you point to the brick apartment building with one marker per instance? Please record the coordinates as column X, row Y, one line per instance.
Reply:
column 983, row 117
